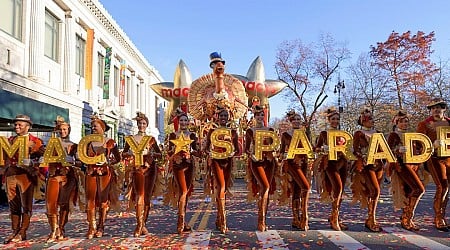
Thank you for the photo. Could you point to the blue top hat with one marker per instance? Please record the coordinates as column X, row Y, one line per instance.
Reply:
column 215, row 57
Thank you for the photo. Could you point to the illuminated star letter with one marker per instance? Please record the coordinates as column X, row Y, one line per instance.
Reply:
column 442, row 134
column 216, row 142
column 409, row 139
column 299, row 137
column 260, row 135
column 20, row 144
column 138, row 149
column 54, row 145
column 182, row 143
column 334, row 148
column 377, row 143
column 82, row 153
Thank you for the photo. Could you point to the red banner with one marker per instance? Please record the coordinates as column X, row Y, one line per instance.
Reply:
column 122, row 84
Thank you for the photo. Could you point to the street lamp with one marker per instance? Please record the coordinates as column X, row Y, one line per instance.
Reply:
column 337, row 89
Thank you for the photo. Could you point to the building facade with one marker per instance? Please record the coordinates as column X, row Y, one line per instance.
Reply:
column 70, row 58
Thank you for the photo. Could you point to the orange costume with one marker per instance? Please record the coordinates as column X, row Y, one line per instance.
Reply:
column 61, row 185
column 21, row 179
column 405, row 174
column 366, row 178
column 100, row 181
column 143, row 178
column 333, row 172
column 262, row 171
column 222, row 168
column 182, row 168
column 439, row 167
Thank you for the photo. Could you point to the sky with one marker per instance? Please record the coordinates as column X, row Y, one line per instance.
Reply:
column 167, row 31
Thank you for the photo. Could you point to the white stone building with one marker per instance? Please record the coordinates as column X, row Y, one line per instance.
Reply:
column 54, row 61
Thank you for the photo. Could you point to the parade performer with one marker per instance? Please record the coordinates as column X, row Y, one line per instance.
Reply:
column 410, row 189
column 298, row 170
column 101, row 185
column 333, row 172
column 181, row 149
column 263, row 171
column 222, row 168
column 61, row 184
column 217, row 89
column 143, row 178
column 366, row 178
column 21, row 179
column 437, row 166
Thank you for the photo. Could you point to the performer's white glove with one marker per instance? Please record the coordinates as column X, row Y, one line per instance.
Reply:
column 41, row 160
column 325, row 148
column 145, row 151
column 26, row 162
column 402, row 149
column 284, row 156
column 438, row 143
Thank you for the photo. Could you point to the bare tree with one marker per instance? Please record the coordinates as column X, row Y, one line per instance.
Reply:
column 308, row 70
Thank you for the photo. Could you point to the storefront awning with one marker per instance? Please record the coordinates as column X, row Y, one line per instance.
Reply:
column 42, row 114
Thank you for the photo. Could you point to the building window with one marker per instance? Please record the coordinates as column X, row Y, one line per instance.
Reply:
column 79, row 56
column 138, row 96
column 11, row 18
column 128, row 94
column 51, row 36
column 156, row 112
column 116, row 81
column 101, row 68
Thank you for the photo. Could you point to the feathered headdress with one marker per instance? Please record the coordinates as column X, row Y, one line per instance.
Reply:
column 257, row 109
column 291, row 114
column 96, row 118
column 140, row 116
column 331, row 111
column 400, row 115
column 365, row 114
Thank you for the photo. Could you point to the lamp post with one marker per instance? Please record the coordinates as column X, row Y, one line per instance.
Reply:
column 337, row 89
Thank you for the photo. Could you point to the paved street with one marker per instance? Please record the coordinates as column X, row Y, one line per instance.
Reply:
column 242, row 223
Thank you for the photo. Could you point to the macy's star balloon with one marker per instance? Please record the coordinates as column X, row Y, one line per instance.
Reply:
column 257, row 85
column 175, row 92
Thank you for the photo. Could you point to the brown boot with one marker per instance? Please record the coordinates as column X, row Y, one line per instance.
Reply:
column 181, row 213
column 334, row 217
column 92, row 224
column 371, row 222
column 222, row 216
column 144, row 227
column 63, row 218
column 15, row 222
column 304, row 225
column 439, row 221
column 413, row 201
column 296, row 213
column 263, row 203
column 139, row 220
column 186, row 227
column 341, row 224
column 101, row 221
column 54, row 227
column 404, row 219
column 22, row 234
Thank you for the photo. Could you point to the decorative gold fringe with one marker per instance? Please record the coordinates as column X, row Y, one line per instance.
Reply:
column 399, row 199
column 81, row 182
column 357, row 185
column 115, row 190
